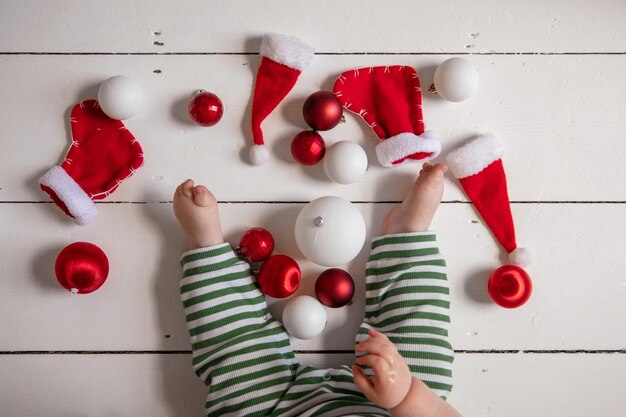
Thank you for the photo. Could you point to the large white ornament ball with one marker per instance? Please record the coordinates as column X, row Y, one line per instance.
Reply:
column 120, row 97
column 456, row 79
column 330, row 231
column 304, row 317
column 345, row 162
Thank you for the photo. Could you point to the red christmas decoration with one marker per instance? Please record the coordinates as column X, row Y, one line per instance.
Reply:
column 308, row 147
column 102, row 155
column 279, row 276
column 206, row 108
column 322, row 110
column 81, row 268
column 510, row 286
column 256, row 245
column 334, row 288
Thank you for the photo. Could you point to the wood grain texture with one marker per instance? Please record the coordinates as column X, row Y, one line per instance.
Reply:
column 337, row 27
column 164, row 385
column 552, row 89
column 560, row 122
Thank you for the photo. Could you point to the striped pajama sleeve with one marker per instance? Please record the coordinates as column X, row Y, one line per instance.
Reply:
column 241, row 353
column 407, row 299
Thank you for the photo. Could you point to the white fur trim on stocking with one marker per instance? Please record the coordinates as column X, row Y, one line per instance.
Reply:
column 405, row 144
column 474, row 156
column 75, row 199
column 287, row 50
column 259, row 154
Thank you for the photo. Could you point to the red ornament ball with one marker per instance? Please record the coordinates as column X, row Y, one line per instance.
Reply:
column 256, row 245
column 322, row 110
column 81, row 268
column 334, row 288
column 510, row 286
column 279, row 276
column 206, row 109
column 308, row 147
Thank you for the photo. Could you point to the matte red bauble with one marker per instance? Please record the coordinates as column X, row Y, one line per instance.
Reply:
column 256, row 245
column 510, row 286
column 279, row 276
column 308, row 147
column 322, row 110
column 81, row 268
column 206, row 109
column 334, row 288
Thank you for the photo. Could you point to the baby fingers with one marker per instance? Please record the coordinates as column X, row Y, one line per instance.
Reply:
column 377, row 363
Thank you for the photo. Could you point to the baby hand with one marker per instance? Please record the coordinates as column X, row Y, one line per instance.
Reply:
column 392, row 379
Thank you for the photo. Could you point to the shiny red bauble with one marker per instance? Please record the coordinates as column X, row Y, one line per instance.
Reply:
column 322, row 110
column 256, row 245
column 81, row 267
column 510, row 286
column 206, row 109
column 279, row 276
column 334, row 288
column 308, row 147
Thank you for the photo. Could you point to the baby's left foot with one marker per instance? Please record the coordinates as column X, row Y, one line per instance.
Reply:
column 195, row 208
column 416, row 212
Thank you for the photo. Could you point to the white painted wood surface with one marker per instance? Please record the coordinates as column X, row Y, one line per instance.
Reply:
column 552, row 89
column 162, row 385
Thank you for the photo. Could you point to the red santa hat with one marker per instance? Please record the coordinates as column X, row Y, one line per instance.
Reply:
column 103, row 153
column 478, row 166
column 389, row 99
column 283, row 59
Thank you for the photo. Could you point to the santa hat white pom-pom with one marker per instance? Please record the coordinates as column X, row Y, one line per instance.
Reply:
column 259, row 154
column 520, row 257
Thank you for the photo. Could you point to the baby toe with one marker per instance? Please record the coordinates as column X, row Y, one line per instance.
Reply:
column 203, row 197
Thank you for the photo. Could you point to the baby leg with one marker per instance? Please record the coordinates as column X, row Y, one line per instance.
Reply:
column 241, row 353
column 407, row 296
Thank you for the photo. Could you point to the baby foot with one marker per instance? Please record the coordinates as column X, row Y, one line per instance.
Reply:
column 416, row 212
column 195, row 208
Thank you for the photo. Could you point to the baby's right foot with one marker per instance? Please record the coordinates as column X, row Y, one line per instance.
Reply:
column 196, row 211
column 416, row 212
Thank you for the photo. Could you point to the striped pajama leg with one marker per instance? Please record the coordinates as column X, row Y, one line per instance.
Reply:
column 241, row 353
column 407, row 299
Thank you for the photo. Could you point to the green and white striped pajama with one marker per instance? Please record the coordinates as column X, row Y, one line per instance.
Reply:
column 244, row 357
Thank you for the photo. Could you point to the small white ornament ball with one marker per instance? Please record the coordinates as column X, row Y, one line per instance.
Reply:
column 120, row 97
column 330, row 231
column 456, row 79
column 304, row 317
column 345, row 162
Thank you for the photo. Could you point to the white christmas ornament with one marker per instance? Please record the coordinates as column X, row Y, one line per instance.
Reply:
column 345, row 162
column 456, row 79
column 304, row 317
column 120, row 97
column 330, row 231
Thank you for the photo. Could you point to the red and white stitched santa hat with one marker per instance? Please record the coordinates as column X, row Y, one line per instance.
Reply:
column 389, row 99
column 283, row 59
column 478, row 166
column 103, row 153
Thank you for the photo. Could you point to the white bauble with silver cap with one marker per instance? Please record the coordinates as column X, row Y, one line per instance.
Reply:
column 330, row 231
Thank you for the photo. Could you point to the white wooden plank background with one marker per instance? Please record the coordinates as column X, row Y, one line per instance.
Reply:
column 551, row 87
column 161, row 385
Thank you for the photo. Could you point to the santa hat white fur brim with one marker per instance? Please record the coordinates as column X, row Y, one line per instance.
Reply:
column 287, row 50
column 405, row 144
column 78, row 203
column 474, row 156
